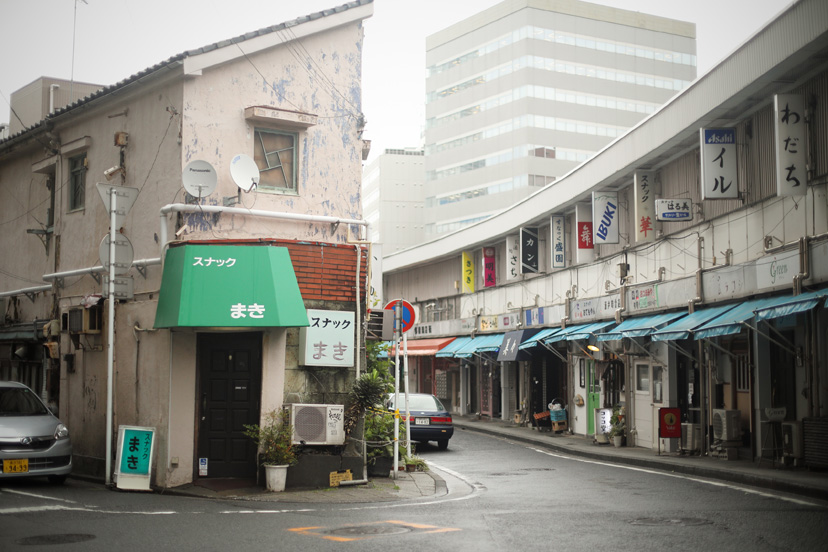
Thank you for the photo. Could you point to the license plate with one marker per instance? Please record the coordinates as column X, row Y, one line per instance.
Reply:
column 16, row 466
column 422, row 421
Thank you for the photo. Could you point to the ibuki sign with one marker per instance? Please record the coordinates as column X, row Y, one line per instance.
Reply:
column 328, row 340
column 605, row 217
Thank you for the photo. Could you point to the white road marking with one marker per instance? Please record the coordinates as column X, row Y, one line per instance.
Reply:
column 731, row 486
column 44, row 497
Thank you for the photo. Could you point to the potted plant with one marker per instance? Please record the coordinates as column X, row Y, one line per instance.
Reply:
column 415, row 463
column 618, row 428
column 276, row 450
column 379, row 438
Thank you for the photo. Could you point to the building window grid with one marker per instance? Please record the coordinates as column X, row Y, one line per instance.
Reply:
column 275, row 155
column 571, row 39
column 521, row 181
column 526, row 150
column 77, row 188
column 560, row 66
column 742, row 374
column 532, row 121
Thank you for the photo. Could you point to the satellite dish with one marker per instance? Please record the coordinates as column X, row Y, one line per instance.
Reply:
column 199, row 178
column 244, row 172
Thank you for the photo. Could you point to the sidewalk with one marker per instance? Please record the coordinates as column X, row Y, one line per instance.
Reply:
column 407, row 485
column 799, row 481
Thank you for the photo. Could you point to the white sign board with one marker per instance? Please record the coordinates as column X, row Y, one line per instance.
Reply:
column 720, row 178
column 674, row 210
column 644, row 206
column 790, row 127
column 512, row 257
column 605, row 217
column 329, row 340
column 558, row 241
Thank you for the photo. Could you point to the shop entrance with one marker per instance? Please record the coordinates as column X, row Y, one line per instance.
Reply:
column 229, row 370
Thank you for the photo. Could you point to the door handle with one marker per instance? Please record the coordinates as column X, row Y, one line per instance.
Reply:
column 203, row 407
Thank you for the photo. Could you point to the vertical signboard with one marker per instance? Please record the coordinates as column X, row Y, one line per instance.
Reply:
column 512, row 257
column 789, row 124
column 720, row 178
column 583, row 233
column 605, row 217
column 328, row 340
column 529, row 250
column 133, row 465
column 644, row 207
column 375, row 299
column 557, row 241
column 468, row 272
column 489, row 267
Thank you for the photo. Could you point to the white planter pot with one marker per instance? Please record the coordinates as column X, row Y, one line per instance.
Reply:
column 617, row 440
column 275, row 477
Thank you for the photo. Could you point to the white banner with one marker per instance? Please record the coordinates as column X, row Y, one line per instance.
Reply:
column 512, row 257
column 720, row 177
column 791, row 168
column 557, row 241
column 329, row 340
column 644, row 206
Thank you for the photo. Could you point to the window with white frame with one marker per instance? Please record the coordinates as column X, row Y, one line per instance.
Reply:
column 642, row 378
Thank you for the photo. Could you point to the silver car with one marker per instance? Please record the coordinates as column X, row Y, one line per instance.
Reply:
column 32, row 440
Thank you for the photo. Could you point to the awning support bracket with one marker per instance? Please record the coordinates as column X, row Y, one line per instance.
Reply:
column 555, row 352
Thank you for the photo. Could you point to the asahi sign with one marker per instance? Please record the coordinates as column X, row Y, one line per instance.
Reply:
column 720, row 178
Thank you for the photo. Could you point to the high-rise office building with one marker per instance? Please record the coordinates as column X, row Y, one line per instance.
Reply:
column 392, row 198
column 521, row 93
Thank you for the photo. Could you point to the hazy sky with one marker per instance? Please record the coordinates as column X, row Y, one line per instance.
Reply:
column 114, row 39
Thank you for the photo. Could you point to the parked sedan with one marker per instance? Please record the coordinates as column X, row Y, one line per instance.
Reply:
column 430, row 421
column 32, row 440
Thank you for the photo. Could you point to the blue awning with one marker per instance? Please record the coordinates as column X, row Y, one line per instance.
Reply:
column 449, row 350
column 730, row 322
column 680, row 329
column 588, row 331
column 536, row 339
column 480, row 344
column 561, row 335
column 640, row 326
column 785, row 305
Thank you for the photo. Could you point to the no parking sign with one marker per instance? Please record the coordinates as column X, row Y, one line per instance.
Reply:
column 408, row 315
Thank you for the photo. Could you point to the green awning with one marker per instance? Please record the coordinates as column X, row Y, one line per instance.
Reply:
column 229, row 286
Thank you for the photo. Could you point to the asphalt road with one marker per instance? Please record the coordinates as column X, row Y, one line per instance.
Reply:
column 502, row 496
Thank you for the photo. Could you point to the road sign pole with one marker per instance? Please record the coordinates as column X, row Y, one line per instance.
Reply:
column 405, row 382
column 397, row 333
column 110, row 354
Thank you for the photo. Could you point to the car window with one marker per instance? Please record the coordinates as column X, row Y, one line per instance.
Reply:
column 418, row 402
column 20, row 402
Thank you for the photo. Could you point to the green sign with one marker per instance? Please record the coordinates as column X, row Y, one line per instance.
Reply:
column 136, row 451
column 229, row 286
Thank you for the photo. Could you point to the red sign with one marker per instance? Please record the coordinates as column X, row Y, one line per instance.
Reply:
column 408, row 316
column 585, row 235
column 489, row 271
column 669, row 423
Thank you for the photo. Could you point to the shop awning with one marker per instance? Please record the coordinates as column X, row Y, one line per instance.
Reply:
column 640, row 326
column 510, row 347
column 536, row 339
column 564, row 332
column 229, row 286
column 480, row 344
column 730, row 322
column 785, row 305
column 424, row 347
column 588, row 331
column 681, row 328
column 449, row 350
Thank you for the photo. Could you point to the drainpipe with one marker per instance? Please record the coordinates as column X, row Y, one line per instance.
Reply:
column 804, row 266
column 52, row 89
column 623, row 292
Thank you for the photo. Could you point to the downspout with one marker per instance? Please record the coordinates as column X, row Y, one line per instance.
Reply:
column 360, row 330
column 52, row 88
column 804, row 266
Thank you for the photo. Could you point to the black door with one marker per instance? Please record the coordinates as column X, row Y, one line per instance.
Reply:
column 230, row 375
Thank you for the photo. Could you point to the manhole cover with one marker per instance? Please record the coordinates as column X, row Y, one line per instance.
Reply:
column 42, row 540
column 671, row 522
column 362, row 530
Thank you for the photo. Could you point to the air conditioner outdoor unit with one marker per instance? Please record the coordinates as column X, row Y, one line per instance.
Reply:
column 317, row 424
column 792, row 439
column 690, row 437
column 727, row 425
column 83, row 320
